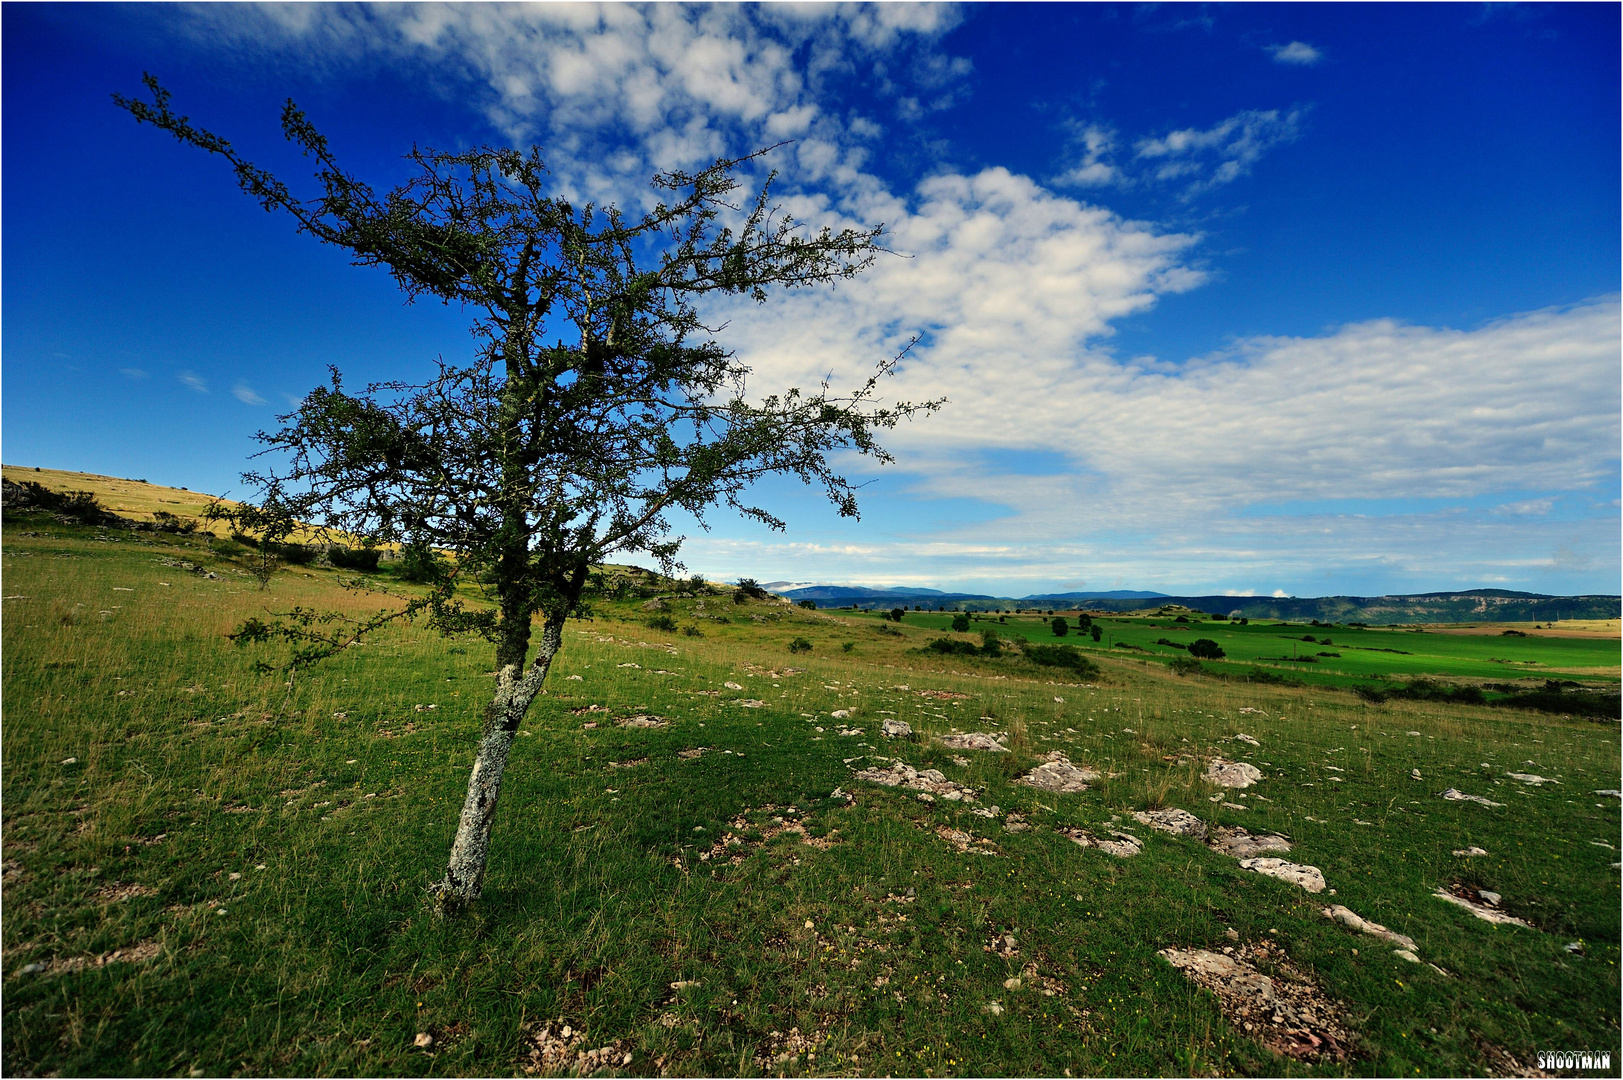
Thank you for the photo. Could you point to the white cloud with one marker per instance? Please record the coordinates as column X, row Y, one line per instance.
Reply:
column 1221, row 153
column 1297, row 52
column 193, row 381
column 245, row 394
column 1280, row 594
column 1095, row 163
column 133, row 373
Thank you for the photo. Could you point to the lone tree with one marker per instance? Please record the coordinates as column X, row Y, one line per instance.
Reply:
column 596, row 402
column 1060, row 626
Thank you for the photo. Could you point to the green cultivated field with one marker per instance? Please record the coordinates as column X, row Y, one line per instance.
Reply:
column 209, row 871
column 1361, row 655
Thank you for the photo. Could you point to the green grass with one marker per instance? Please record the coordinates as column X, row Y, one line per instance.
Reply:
column 1363, row 654
column 189, row 769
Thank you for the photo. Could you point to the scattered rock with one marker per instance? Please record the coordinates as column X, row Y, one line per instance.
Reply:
column 1289, row 1014
column 642, row 720
column 1057, row 774
column 1481, row 910
column 1012, row 984
column 1308, row 877
column 574, row 678
column 423, row 1040
column 841, row 714
column 1236, row 842
column 1466, row 852
column 1172, row 820
column 1004, row 945
column 930, row 781
column 1455, row 795
column 1123, row 846
column 732, row 686
column 975, row 740
column 1407, row 954
column 1614, row 792
column 750, row 703
column 993, row 1007
column 655, row 605
column 1232, row 774
column 1246, row 739
column 1414, row 774
column 966, row 843
column 555, row 1047
column 1529, row 778
column 1346, row 918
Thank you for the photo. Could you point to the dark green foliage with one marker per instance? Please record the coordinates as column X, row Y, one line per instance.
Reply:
column 896, row 614
column 421, row 563
column 1060, row 627
column 1096, row 632
column 953, row 647
column 1184, row 665
column 80, row 506
column 960, row 623
column 809, row 605
column 1512, row 633
column 297, row 554
column 848, row 646
column 1173, row 644
column 991, row 644
column 697, row 585
column 692, row 631
column 1068, row 657
column 799, row 645
column 749, row 589
column 363, row 560
column 1084, row 622
column 1181, row 619
column 1206, row 649
column 888, row 630
column 662, row 622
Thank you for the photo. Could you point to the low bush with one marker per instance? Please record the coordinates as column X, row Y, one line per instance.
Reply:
column 960, row 623
column 799, row 645
column 888, row 631
column 1173, row 644
column 953, row 647
column 297, row 554
column 362, row 559
column 692, row 631
column 1068, row 657
column 809, row 605
column 662, row 622
column 1206, row 649
column 895, row 615
column 1184, row 665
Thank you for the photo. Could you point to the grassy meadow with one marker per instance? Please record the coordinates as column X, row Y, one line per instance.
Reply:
column 209, row 871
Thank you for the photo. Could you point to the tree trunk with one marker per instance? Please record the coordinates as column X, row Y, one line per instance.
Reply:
column 465, row 874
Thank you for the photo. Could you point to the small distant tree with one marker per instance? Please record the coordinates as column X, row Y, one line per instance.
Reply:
column 266, row 526
column 1206, row 649
column 596, row 402
column 991, row 644
column 1096, row 631
column 1060, row 626
column 960, row 622
column 1083, row 622
column 809, row 605
column 748, row 589
column 896, row 614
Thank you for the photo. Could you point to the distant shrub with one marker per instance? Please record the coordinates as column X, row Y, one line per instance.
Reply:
column 888, row 631
column 953, row 647
column 1310, row 639
column 297, row 554
column 1173, row 644
column 1244, row 621
column 799, row 645
column 1060, row 627
column 960, row 622
column 848, row 646
column 1332, row 655
column 748, row 589
column 1512, row 633
column 692, row 631
column 662, row 622
column 420, row 563
column 1206, row 649
column 1125, row 645
column 809, row 605
column 991, row 644
column 1096, row 632
column 1068, row 657
column 1181, row 618
column 362, row 559
column 698, row 585
column 1184, row 665
column 1084, row 622
column 896, row 614
column 1220, row 617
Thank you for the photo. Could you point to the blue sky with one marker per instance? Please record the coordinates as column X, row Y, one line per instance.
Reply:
column 1300, row 298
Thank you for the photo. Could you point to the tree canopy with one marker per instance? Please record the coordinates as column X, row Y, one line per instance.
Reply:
column 595, row 403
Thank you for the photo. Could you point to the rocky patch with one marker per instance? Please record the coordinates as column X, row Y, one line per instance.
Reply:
column 895, row 729
column 1455, row 795
column 1363, row 926
column 1172, row 820
column 1484, row 905
column 927, row 781
column 1236, row 842
column 643, row 720
column 1057, row 774
column 554, row 1046
column 1286, row 1012
column 975, row 740
column 1308, row 877
column 1232, row 774
column 1121, row 845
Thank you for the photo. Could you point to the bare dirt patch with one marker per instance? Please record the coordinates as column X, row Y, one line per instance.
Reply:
column 1285, row 1010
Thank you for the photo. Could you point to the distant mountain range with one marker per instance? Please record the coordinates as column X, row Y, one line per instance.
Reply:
column 1470, row 605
